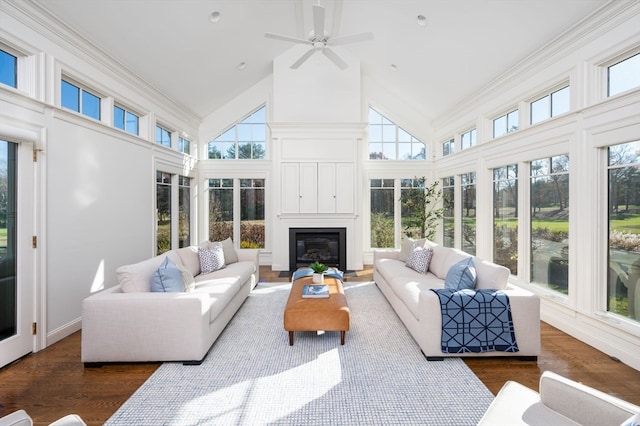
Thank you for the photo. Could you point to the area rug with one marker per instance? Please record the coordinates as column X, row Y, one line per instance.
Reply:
column 252, row 376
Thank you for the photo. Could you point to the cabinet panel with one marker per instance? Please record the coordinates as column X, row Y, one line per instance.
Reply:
column 290, row 188
column 308, row 187
column 326, row 187
column 345, row 188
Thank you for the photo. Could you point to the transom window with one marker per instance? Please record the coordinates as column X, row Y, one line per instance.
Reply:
column 245, row 140
column 506, row 123
column 184, row 145
column 124, row 119
column 624, row 75
column 8, row 69
column 551, row 105
column 468, row 139
column 163, row 136
column 448, row 147
column 80, row 99
column 505, row 217
column 387, row 141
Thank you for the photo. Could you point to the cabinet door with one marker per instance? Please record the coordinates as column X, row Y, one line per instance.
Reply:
column 308, row 184
column 345, row 188
column 327, row 187
column 290, row 188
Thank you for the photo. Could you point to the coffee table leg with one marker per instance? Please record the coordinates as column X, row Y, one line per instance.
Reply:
column 342, row 334
column 291, row 338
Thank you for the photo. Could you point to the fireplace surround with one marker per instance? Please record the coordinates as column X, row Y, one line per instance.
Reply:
column 326, row 245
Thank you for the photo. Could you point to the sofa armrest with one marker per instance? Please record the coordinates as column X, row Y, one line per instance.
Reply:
column 125, row 327
column 251, row 255
column 583, row 404
column 385, row 254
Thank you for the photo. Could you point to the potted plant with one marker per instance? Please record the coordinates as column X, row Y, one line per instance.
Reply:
column 318, row 271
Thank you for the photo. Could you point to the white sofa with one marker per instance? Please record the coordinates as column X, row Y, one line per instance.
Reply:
column 21, row 418
column 560, row 402
column 409, row 294
column 130, row 323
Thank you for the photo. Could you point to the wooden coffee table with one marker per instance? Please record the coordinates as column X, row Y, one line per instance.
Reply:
column 327, row 314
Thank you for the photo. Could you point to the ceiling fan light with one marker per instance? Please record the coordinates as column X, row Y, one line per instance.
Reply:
column 214, row 17
column 421, row 20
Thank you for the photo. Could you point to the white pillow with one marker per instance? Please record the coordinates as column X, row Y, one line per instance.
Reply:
column 407, row 246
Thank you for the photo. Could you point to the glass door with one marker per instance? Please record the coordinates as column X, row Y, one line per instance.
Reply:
column 16, row 288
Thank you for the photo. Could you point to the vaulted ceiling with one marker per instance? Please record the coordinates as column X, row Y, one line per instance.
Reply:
column 175, row 46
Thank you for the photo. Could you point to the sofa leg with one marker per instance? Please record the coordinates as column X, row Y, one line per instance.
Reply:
column 435, row 358
column 93, row 364
column 193, row 362
column 528, row 358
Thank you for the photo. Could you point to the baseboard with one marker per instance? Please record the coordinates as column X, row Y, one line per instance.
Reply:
column 64, row 331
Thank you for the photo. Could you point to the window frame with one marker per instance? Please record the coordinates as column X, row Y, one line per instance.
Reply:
column 507, row 122
column 473, row 138
column 448, row 147
column 163, row 129
column 126, row 111
column 614, row 62
column 397, row 140
column 550, row 107
column 82, row 90
column 16, row 57
column 237, row 143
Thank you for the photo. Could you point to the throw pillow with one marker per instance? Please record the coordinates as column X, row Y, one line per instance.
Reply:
column 407, row 247
column 211, row 259
column 167, row 278
column 461, row 275
column 419, row 259
column 230, row 255
column 187, row 278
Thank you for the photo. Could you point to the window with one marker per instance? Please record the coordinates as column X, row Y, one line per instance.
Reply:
column 550, row 105
column 468, row 139
column 245, row 140
column 184, row 145
column 624, row 232
column 382, row 212
column 80, row 100
column 250, row 197
column 506, row 124
column 550, row 222
column 163, row 212
column 412, row 203
column 468, row 211
column 252, row 213
column 184, row 211
column 125, row 120
column 8, row 69
column 390, row 142
column 448, row 147
column 624, row 75
column 220, row 209
column 448, row 216
column 163, row 136
column 505, row 217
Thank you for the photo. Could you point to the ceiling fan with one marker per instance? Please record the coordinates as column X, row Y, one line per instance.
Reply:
column 320, row 41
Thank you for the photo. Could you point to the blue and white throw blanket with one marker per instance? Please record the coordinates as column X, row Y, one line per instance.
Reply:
column 300, row 273
column 476, row 321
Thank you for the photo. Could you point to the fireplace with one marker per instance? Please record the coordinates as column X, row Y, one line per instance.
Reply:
column 326, row 245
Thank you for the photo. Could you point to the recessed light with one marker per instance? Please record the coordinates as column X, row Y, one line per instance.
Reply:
column 421, row 20
column 214, row 17
column 394, row 67
column 242, row 65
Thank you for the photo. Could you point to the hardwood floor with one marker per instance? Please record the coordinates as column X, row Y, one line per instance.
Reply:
column 52, row 383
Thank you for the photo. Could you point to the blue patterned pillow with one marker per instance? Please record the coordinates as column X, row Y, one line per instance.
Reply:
column 167, row 278
column 462, row 275
column 419, row 259
column 211, row 258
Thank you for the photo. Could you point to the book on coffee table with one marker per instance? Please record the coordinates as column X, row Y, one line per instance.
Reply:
column 315, row 291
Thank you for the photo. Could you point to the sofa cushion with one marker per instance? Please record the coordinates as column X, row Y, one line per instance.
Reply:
column 167, row 278
column 137, row 277
column 491, row 276
column 444, row 258
column 419, row 259
column 187, row 278
column 632, row 421
column 461, row 275
column 211, row 259
column 230, row 255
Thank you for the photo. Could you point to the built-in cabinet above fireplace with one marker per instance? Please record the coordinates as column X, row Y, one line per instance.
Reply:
column 318, row 187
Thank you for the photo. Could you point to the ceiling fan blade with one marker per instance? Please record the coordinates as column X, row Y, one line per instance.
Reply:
column 335, row 58
column 302, row 59
column 287, row 38
column 353, row 38
column 318, row 20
